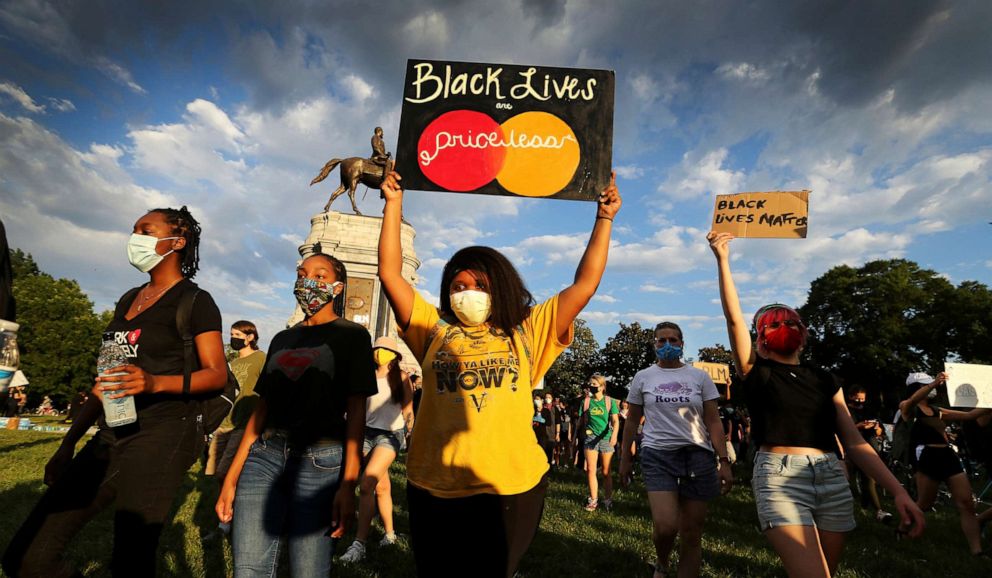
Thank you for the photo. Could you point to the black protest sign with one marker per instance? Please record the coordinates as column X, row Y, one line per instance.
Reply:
column 501, row 129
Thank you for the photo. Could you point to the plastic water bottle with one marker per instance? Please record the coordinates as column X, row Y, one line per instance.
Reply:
column 10, row 358
column 120, row 411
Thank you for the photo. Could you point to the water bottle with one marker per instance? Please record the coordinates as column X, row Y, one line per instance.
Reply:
column 10, row 358
column 120, row 411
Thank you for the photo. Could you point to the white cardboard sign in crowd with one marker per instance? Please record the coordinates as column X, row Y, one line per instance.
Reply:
column 969, row 385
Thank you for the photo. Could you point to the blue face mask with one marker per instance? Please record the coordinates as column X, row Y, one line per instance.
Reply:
column 668, row 352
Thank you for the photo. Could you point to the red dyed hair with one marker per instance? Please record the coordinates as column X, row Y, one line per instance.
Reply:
column 777, row 312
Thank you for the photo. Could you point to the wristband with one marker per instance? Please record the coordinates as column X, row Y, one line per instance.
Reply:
column 724, row 460
column 607, row 218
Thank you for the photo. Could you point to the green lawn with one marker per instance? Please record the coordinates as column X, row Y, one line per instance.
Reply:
column 571, row 541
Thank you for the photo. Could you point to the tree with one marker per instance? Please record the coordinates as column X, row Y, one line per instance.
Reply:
column 626, row 353
column 574, row 366
column 59, row 335
column 716, row 354
column 875, row 324
column 971, row 328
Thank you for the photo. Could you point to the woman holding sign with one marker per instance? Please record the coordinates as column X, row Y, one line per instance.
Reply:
column 477, row 476
column 798, row 412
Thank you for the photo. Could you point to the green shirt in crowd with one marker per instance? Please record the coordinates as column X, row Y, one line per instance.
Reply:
column 598, row 421
column 246, row 370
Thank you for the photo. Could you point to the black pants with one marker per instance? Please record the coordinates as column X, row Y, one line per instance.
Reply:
column 483, row 535
column 139, row 474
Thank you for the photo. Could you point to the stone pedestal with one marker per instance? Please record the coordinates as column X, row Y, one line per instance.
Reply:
column 354, row 240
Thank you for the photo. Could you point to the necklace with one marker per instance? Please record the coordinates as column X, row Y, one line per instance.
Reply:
column 146, row 298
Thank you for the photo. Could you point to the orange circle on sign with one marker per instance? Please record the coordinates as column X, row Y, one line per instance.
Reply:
column 542, row 154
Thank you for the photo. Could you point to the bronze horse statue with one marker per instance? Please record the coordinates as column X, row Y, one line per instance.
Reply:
column 354, row 170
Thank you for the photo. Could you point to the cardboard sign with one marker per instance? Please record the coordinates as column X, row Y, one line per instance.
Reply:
column 776, row 214
column 718, row 372
column 969, row 385
column 501, row 129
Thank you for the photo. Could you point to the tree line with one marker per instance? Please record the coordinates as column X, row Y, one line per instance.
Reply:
column 871, row 325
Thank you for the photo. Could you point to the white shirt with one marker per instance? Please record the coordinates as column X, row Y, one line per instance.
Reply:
column 673, row 405
column 381, row 412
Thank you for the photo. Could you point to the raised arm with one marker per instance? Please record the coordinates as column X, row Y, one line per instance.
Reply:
column 398, row 290
column 737, row 329
column 906, row 406
column 589, row 273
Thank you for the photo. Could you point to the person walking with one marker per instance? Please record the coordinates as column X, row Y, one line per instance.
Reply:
column 798, row 414
column 598, row 418
column 476, row 474
column 683, row 453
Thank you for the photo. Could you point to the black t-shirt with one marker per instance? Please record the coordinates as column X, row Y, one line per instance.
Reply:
column 861, row 414
column 791, row 405
column 309, row 374
column 151, row 341
column 928, row 429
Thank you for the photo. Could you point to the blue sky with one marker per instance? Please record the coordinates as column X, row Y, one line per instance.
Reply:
column 881, row 108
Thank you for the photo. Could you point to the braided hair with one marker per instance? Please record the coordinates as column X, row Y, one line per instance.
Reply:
column 184, row 225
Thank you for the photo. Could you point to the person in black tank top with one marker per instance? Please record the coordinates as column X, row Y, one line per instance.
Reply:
column 798, row 413
column 138, row 467
column 933, row 460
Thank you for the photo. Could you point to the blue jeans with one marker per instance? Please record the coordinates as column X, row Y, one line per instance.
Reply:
column 285, row 491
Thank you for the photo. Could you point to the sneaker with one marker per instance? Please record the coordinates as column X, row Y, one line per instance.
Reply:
column 883, row 516
column 354, row 553
column 608, row 504
column 388, row 540
column 591, row 504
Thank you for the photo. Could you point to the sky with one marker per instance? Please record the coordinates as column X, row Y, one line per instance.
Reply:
column 881, row 108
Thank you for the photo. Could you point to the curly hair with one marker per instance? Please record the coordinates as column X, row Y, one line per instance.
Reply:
column 184, row 225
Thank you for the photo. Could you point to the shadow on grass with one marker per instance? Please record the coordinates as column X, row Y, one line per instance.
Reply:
column 24, row 445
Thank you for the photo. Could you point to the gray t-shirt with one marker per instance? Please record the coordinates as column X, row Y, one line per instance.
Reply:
column 673, row 405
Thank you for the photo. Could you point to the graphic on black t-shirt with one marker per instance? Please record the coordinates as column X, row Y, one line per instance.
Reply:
column 295, row 362
column 128, row 342
column 674, row 392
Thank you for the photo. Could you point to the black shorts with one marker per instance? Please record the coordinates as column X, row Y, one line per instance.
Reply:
column 936, row 463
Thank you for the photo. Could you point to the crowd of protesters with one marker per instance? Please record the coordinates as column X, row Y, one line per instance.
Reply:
column 323, row 414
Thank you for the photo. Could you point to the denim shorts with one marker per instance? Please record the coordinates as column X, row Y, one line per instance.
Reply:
column 802, row 490
column 690, row 471
column 600, row 443
column 374, row 437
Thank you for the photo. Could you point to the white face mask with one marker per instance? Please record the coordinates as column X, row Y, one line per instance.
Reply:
column 141, row 251
column 471, row 307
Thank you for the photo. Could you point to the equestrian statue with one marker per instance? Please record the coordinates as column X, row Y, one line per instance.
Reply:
column 370, row 172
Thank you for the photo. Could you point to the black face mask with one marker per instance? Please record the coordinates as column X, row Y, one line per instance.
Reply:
column 594, row 390
column 237, row 344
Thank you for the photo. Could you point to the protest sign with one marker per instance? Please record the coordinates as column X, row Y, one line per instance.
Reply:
column 969, row 385
column 719, row 373
column 774, row 214
column 501, row 129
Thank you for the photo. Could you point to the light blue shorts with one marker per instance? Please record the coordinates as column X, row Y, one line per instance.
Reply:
column 802, row 490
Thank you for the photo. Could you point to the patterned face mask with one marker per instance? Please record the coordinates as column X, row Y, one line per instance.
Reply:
column 313, row 295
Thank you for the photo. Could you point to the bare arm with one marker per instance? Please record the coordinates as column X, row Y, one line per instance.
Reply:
column 615, row 428
column 344, row 499
column 737, row 329
column 863, row 456
column 589, row 273
column 398, row 290
column 407, row 408
column 254, row 429
column 711, row 416
column 634, row 415
column 907, row 405
column 211, row 376
column 957, row 415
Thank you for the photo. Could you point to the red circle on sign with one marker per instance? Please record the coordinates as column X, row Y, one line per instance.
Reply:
column 461, row 150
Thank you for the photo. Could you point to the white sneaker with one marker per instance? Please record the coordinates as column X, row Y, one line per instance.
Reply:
column 388, row 540
column 354, row 553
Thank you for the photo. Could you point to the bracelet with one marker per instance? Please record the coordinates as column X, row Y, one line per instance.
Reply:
column 607, row 218
column 724, row 459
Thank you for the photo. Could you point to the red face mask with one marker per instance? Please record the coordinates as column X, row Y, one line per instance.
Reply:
column 783, row 340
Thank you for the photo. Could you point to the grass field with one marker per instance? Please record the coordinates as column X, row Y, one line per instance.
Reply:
column 571, row 542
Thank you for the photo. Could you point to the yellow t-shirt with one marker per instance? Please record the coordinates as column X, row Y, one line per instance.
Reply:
column 473, row 433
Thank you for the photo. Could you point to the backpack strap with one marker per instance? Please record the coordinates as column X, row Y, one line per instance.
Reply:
column 184, row 319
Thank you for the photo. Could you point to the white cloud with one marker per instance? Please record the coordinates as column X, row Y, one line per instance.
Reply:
column 17, row 94
column 429, row 29
column 742, row 71
column 629, row 172
column 696, row 177
column 652, row 288
column 603, row 298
